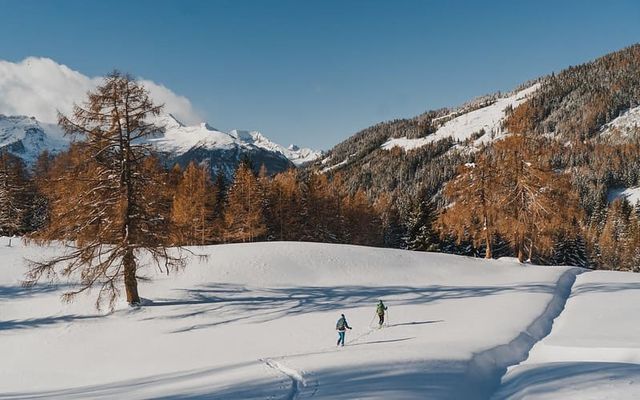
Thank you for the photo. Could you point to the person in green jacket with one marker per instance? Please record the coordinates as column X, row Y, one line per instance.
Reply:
column 380, row 309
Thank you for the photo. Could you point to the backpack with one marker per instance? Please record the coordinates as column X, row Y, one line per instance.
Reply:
column 341, row 324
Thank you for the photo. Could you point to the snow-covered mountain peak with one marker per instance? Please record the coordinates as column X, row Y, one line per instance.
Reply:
column 242, row 135
column 26, row 137
column 169, row 121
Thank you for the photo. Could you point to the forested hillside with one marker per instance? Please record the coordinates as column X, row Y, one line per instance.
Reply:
column 532, row 173
column 573, row 119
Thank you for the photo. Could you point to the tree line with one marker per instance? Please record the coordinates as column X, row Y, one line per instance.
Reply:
column 112, row 200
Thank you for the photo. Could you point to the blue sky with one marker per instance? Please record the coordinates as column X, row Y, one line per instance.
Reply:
column 315, row 72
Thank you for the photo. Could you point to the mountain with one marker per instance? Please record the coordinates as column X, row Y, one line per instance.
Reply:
column 26, row 138
column 589, row 109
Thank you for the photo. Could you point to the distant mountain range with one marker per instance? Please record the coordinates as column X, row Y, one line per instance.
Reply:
column 27, row 138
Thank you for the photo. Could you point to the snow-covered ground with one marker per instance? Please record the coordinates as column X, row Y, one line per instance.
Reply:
column 627, row 124
column 593, row 351
column 464, row 126
column 256, row 321
column 631, row 194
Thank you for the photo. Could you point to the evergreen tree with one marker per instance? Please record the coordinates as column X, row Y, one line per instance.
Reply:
column 13, row 183
column 419, row 226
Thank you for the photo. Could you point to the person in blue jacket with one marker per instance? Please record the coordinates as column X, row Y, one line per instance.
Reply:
column 342, row 327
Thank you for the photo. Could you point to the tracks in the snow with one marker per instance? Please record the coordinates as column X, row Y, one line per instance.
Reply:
column 486, row 368
column 300, row 386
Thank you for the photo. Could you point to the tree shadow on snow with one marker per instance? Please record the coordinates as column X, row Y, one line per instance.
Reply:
column 195, row 384
column 416, row 323
column 433, row 380
column 13, row 292
column 604, row 287
column 547, row 379
column 30, row 323
column 232, row 303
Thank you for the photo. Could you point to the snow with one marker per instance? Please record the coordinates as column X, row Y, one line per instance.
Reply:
column 627, row 124
column 34, row 136
column 463, row 127
column 257, row 321
column 593, row 351
column 298, row 156
column 177, row 139
column 631, row 194
column 335, row 166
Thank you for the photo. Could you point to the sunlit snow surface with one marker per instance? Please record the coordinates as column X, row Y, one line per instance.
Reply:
column 257, row 321
column 463, row 127
column 27, row 138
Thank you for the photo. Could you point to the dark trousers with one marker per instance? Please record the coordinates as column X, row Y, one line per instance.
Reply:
column 341, row 338
column 381, row 316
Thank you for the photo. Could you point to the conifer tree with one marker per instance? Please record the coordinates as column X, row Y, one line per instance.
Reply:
column 285, row 206
column 12, row 195
column 243, row 215
column 420, row 223
column 534, row 200
column 106, row 195
column 473, row 207
column 192, row 211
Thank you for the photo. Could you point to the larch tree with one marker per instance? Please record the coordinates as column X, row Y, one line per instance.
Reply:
column 193, row 207
column 472, row 210
column 243, row 215
column 106, row 196
column 534, row 201
column 285, row 211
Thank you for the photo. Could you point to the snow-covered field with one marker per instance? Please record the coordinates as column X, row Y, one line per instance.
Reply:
column 257, row 321
column 593, row 351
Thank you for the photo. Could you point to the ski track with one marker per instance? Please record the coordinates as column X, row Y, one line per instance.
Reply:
column 298, row 382
column 486, row 368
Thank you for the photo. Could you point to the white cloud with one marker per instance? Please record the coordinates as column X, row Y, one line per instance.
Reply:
column 39, row 87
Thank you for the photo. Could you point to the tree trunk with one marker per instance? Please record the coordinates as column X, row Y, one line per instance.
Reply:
column 489, row 252
column 130, row 281
column 520, row 250
column 531, row 251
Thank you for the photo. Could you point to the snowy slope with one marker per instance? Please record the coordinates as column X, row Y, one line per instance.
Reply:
column 256, row 321
column 463, row 127
column 27, row 138
column 179, row 139
column 628, row 124
column 593, row 351
column 631, row 194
